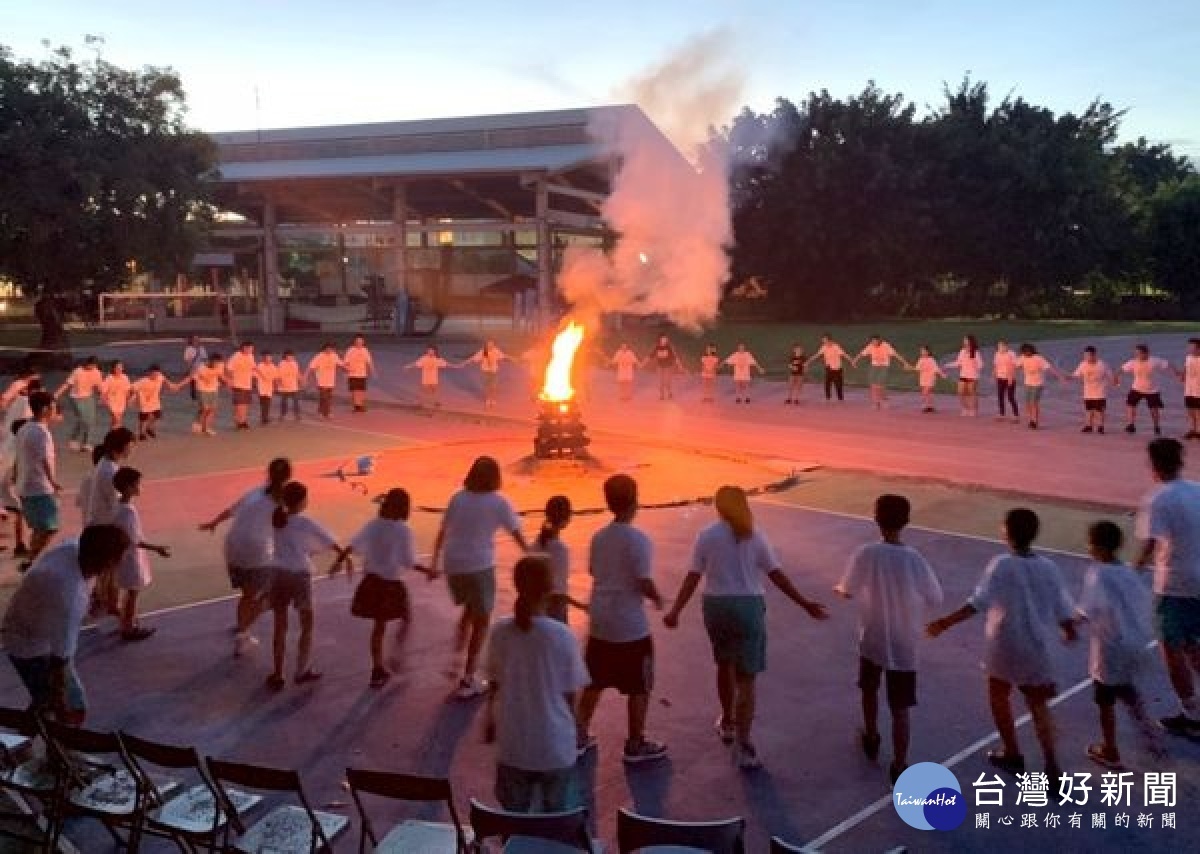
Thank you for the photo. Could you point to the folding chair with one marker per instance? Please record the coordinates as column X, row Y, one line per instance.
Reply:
column 566, row 828
column 25, row 778
column 94, row 781
column 191, row 819
column 424, row 836
column 635, row 832
column 286, row 827
column 778, row 846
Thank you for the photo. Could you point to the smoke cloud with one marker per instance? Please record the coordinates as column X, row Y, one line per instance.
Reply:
column 671, row 213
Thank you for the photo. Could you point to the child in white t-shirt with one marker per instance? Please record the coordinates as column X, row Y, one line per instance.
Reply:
column 1191, row 388
column 743, row 362
column 147, row 392
column 1034, row 367
column 928, row 371
column 1004, row 367
column 1116, row 605
column 288, row 378
column 626, row 362
column 323, row 367
column 1096, row 378
column 83, row 384
column 879, row 354
column 266, row 375
column 430, row 365
column 1025, row 605
column 549, row 541
column 710, row 363
column 488, row 357
column 896, row 586
column 115, row 394
column 386, row 546
column 1144, row 368
column 969, row 364
column 133, row 573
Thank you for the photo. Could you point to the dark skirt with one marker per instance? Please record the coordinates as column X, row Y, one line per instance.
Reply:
column 379, row 599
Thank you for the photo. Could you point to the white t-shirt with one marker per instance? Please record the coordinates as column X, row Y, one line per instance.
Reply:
column 1170, row 515
column 325, row 366
column 265, row 377
column 470, row 524
column 240, row 368
column 895, row 587
column 880, row 354
column 742, row 362
column 297, row 541
column 148, row 393
column 732, row 567
column 1024, row 603
column 833, row 354
column 207, row 378
column 18, row 410
column 1143, row 371
column 560, row 564
column 709, row 365
column 34, row 452
column 115, row 392
column 386, row 547
column 48, row 607
column 430, row 365
column 358, row 362
column 489, row 361
column 1034, row 368
column 534, row 671
column 1117, row 606
column 1004, row 365
column 928, row 370
column 626, row 361
column 133, row 572
column 194, row 357
column 619, row 559
column 969, row 367
column 250, row 541
column 1191, row 376
column 103, row 497
column 85, row 382
column 1096, row 378
column 289, row 376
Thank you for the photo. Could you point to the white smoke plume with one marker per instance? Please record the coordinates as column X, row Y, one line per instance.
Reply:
column 671, row 215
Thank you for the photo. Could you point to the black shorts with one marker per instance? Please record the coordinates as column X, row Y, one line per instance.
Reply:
column 241, row 397
column 253, row 580
column 901, row 684
column 356, row 383
column 378, row 598
column 1153, row 399
column 1191, row 403
column 628, row 667
column 291, row 589
column 143, row 417
column 1107, row 695
column 1044, row 692
column 1096, row 405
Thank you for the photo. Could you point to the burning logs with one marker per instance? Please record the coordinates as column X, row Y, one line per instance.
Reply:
column 561, row 434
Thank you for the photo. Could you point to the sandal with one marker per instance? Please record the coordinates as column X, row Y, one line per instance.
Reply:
column 309, row 675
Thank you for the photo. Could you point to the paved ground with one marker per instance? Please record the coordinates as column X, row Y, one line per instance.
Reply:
column 961, row 473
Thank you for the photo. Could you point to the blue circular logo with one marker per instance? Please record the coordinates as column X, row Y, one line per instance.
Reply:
column 927, row 796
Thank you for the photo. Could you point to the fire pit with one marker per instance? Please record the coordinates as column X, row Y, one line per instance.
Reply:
column 561, row 434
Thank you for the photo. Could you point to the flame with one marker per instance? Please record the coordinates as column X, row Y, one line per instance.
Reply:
column 557, row 386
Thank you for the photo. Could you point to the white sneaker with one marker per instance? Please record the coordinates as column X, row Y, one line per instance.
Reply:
column 746, row 757
column 208, row 431
column 74, row 445
column 470, row 687
column 195, row 426
column 244, row 644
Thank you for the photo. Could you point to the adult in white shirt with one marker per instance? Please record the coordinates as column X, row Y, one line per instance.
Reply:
column 1144, row 368
column 1096, row 377
column 250, row 548
column 323, row 367
column 896, row 586
column 626, row 362
column 240, row 370
column 466, row 544
column 733, row 558
column 969, row 364
column 359, row 367
column 488, row 357
column 1034, row 367
column 620, row 649
column 879, row 354
column 36, row 473
column 1191, row 388
column 1004, row 368
column 430, row 365
column 82, row 386
column 194, row 356
column 743, row 362
column 832, row 356
column 40, row 630
column 535, row 670
column 1169, row 526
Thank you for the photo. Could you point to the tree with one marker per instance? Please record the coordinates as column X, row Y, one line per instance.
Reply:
column 1173, row 240
column 100, row 173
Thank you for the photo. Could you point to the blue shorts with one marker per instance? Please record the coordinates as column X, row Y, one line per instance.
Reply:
column 40, row 512
column 877, row 375
column 1033, row 393
column 1177, row 620
column 737, row 629
column 474, row 591
column 36, row 674
column 208, row 399
column 515, row 789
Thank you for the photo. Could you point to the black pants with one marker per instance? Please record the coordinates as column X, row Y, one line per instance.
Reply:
column 1007, row 390
column 325, row 401
column 264, row 404
column 835, row 379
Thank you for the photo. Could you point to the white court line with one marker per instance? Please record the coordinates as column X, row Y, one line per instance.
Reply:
column 775, row 502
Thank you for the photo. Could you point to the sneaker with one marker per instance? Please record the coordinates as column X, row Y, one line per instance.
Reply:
column 645, row 750
column 1087, row 429
column 870, row 745
column 1157, row 431
column 1180, row 724
column 1101, row 755
column 86, row 448
column 1129, row 428
column 196, row 427
column 73, row 445
column 470, row 687
column 244, row 644
column 275, row 682
column 208, row 431
column 137, row 633
column 153, row 434
column 309, row 675
column 1032, row 425
column 746, row 758
column 895, row 769
column 1099, row 429
column 1014, row 764
column 379, row 677
column 725, row 730
column 21, row 550
column 585, row 745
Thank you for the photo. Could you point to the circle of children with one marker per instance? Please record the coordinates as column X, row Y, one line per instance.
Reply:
column 542, row 690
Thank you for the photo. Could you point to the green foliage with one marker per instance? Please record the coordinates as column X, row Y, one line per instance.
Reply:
column 857, row 207
column 100, row 170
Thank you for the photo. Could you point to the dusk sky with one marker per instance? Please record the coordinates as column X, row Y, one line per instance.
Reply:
column 315, row 62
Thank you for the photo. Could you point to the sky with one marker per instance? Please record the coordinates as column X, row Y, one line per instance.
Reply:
column 287, row 63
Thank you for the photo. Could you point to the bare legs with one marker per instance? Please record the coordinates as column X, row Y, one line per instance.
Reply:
column 303, row 646
column 999, row 698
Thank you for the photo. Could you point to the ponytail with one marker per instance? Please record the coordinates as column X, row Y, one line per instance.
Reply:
column 558, row 514
column 531, row 577
column 734, row 510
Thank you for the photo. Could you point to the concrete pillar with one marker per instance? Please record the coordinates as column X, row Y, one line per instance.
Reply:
column 400, row 230
column 272, row 314
column 544, row 261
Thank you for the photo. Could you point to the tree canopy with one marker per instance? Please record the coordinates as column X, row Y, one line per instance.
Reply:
column 100, row 170
column 858, row 206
